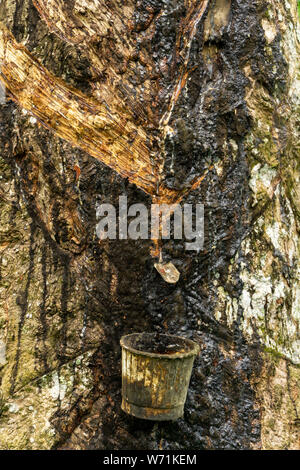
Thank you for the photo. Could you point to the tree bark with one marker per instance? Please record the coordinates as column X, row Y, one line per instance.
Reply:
column 190, row 100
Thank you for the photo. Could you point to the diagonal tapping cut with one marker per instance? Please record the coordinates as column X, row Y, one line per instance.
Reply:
column 98, row 126
column 86, row 123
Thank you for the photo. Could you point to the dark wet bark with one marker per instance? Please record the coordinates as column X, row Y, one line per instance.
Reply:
column 66, row 298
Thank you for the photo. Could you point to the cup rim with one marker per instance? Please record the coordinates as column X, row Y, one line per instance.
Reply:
column 193, row 347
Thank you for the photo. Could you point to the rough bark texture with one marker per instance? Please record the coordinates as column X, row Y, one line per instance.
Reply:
column 204, row 89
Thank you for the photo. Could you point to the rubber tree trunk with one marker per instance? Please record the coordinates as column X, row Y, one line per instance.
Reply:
column 187, row 100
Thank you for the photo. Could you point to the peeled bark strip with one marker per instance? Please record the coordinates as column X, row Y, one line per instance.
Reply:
column 105, row 129
column 179, row 93
column 94, row 127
